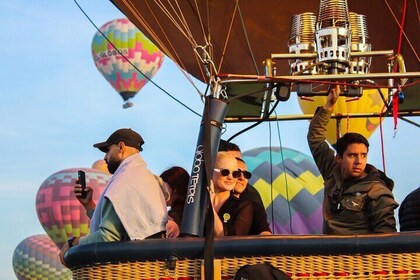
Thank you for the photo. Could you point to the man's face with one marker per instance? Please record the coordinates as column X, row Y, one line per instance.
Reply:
column 242, row 182
column 113, row 158
column 353, row 162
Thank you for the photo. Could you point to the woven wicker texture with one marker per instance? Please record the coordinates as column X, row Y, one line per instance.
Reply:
column 370, row 266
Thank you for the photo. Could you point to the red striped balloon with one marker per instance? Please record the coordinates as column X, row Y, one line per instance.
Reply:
column 59, row 212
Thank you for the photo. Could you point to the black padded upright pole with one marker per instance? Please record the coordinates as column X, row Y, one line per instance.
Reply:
column 197, row 196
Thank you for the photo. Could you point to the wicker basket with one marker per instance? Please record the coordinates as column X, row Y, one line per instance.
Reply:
column 392, row 256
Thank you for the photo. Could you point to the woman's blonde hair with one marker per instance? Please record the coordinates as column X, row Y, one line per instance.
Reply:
column 223, row 155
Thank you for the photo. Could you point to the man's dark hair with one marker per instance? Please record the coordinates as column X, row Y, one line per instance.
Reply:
column 348, row 139
column 225, row 146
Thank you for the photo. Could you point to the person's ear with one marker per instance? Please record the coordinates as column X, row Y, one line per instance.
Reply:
column 121, row 147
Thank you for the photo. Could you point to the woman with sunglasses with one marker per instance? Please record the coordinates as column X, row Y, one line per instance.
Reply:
column 231, row 215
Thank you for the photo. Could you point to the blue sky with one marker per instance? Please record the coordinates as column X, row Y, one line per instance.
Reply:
column 54, row 105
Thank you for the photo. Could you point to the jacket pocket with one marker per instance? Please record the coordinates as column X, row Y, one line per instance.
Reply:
column 354, row 202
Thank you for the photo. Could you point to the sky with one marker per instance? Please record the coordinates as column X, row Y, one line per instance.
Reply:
column 54, row 105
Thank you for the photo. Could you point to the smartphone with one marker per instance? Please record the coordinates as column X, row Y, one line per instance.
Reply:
column 81, row 176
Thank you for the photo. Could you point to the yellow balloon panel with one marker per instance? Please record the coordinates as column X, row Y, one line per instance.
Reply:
column 101, row 165
column 370, row 102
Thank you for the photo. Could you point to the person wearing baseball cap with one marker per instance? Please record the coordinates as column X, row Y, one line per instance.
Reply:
column 124, row 138
column 126, row 135
column 132, row 205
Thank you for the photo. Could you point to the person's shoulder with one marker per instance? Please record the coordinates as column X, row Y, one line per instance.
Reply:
column 134, row 176
column 252, row 190
column 234, row 202
column 416, row 192
column 414, row 195
column 250, row 193
column 245, row 204
column 379, row 189
column 378, row 178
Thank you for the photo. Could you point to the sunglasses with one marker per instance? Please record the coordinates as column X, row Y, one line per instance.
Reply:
column 247, row 174
column 226, row 172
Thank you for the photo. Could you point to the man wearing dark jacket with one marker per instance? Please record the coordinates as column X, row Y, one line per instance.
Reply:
column 358, row 198
column 409, row 213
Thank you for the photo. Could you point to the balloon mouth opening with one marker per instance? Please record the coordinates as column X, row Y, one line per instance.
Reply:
column 128, row 104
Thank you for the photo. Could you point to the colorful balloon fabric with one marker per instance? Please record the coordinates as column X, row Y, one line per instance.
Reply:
column 36, row 257
column 59, row 212
column 138, row 49
column 370, row 102
column 291, row 188
column 101, row 165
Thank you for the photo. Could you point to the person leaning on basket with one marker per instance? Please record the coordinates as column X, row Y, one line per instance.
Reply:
column 358, row 197
column 132, row 205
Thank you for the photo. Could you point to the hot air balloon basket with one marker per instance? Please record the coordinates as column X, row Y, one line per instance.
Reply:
column 356, row 264
column 378, row 266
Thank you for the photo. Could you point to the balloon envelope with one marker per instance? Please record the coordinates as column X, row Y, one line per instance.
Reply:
column 58, row 210
column 101, row 165
column 370, row 102
column 36, row 257
column 139, row 50
column 291, row 188
column 240, row 35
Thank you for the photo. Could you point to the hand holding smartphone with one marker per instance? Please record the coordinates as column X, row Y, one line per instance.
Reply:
column 81, row 176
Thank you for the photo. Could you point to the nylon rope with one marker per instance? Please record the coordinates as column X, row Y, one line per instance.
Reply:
column 405, row 35
column 395, row 99
column 182, row 28
column 175, row 58
column 271, row 176
column 186, row 32
column 228, row 36
column 382, row 139
column 417, row 10
column 208, row 19
column 247, row 41
column 207, row 48
column 185, row 23
column 289, row 207
column 404, row 13
column 201, row 22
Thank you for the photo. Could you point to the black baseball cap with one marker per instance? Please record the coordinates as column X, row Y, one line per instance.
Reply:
column 126, row 135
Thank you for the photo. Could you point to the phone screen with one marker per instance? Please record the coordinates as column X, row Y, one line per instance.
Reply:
column 81, row 176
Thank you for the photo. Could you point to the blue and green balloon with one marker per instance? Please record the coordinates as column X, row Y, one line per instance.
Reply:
column 291, row 188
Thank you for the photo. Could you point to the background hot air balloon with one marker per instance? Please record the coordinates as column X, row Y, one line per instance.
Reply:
column 101, row 165
column 59, row 212
column 291, row 188
column 141, row 52
column 370, row 102
column 36, row 257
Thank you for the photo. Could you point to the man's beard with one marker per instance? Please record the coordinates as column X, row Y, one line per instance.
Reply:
column 113, row 166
